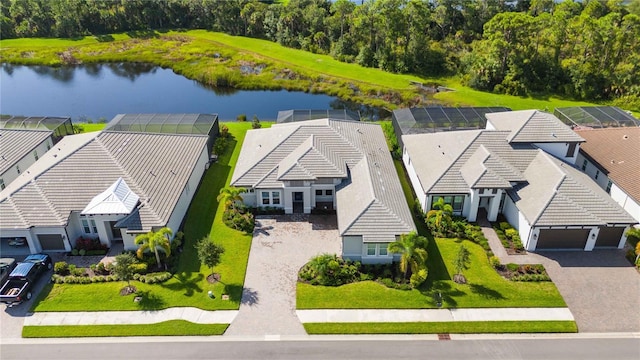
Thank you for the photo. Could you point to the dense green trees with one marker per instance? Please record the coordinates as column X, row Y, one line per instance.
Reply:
column 584, row 49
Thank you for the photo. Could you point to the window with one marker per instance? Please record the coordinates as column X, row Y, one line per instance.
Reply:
column 318, row 192
column 270, row 197
column 571, row 150
column 18, row 168
column 93, row 226
column 2, row 184
column 48, row 146
column 456, row 202
column 494, row 191
column 383, row 249
column 275, row 196
column 85, row 226
column 608, row 189
column 35, row 154
column 377, row 249
column 265, row 198
column 328, row 192
column 597, row 174
column 481, row 191
column 584, row 164
column 371, row 249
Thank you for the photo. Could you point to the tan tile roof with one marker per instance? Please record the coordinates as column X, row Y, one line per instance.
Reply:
column 155, row 166
column 617, row 151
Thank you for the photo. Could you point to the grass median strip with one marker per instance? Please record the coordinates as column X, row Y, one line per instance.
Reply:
column 458, row 327
column 167, row 328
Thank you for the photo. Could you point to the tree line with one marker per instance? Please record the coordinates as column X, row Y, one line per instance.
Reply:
column 582, row 49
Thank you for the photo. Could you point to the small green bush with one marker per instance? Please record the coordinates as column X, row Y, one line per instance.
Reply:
column 139, row 268
column 418, row 278
column 74, row 252
column 495, row 262
column 61, row 268
column 78, row 272
column 505, row 225
column 513, row 267
column 82, row 252
column 510, row 233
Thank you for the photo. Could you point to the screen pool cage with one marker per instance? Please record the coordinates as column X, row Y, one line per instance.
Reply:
column 287, row 116
column 60, row 126
column 189, row 124
column 595, row 117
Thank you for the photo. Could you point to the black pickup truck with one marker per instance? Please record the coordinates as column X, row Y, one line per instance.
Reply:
column 18, row 286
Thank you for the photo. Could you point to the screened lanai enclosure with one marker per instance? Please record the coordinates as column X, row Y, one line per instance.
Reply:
column 420, row 120
column 193, row 124
column 60, row 126
column 595, row 117
column 287, row 116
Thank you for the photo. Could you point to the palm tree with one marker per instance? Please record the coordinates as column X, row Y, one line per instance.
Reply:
column 154, row 240
column 230, row 195
column 440, row 217
column 413, row 255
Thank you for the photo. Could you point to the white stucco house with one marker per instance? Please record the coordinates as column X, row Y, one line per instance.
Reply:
column 329, row 164
column 111, row 185
column 520, row 166
column 611, row 157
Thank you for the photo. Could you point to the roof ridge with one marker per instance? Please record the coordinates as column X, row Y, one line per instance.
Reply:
column 555, row 188
column 445, row 171
column 18, row 210
column 313, row 146
column 267, row 154
column 514, row 134
column 143, row 199
column 48, row 202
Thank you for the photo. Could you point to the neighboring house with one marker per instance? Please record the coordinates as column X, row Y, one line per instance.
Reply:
column 521, row 166
column 19, row 149
column 329, row 164
column 24, row 139
column 109, row 185
column 611, row 157
column 423, row 120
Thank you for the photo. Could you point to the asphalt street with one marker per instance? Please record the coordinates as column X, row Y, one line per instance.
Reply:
column 330, row 348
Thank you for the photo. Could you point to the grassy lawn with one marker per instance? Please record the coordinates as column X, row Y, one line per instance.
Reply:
column 215, row 59
column 484, row 327
column 92, row 127
column 167, row 328
column 189, row 286
column 485, row 288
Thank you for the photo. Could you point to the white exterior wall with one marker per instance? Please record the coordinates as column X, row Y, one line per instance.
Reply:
column 182, row 205
column 128, row 240
column 249, row 198
column 519, row 222
column 591, row 169
column 415, row 182
column 559, row 150
column 352, row 247
column 626, row 201
column 288, row 197
column 27, row 160
column 489, row 125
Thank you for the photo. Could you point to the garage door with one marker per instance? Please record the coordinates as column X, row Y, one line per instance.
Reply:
column 562, row 239
column 51, row 242
column 609, row 236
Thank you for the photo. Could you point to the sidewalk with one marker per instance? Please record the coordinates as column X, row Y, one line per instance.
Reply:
column 435, row 315
column 130, row 317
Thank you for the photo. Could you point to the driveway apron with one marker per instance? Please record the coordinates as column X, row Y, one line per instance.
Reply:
column 281, row 246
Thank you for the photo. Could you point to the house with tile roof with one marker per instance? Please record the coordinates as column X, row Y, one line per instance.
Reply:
column 329, row 164
column 611, row 157
column 520, row 166
column 111, row 185
column 19, row 148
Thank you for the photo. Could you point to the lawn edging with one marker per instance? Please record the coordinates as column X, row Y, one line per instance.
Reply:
column 457, row 327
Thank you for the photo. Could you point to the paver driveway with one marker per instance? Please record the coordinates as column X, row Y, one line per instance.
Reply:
column 281, row 246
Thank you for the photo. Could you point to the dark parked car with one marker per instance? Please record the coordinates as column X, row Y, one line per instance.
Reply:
column 18, row 286
column 6, row 266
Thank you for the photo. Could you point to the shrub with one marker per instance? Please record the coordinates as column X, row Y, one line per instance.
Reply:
column 82, row 252
column 78, row 272
column 418, row 278
column 510, row 233
column 61, row 268
column 242, row 117
column 330, row 270
column 139, row 268
column 513, row 267
column 219, row 145
column 74, row 252
column 224, row 131
column 495, row 261
column 504, row 226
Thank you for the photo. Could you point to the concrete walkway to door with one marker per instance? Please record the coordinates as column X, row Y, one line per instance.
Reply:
column 281, row 246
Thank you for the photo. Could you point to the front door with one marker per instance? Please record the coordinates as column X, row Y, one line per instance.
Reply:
column 298, row 202
column 116, row 234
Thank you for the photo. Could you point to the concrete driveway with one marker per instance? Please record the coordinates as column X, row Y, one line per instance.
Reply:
column 281, row 246
column 600, row 287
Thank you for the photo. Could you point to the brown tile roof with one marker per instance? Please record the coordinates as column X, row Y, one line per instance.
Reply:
column 617, row 151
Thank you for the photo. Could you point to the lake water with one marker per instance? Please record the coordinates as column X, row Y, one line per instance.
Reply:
column 103, row 90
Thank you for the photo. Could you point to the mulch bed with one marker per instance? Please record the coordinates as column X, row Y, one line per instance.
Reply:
column 213, row 278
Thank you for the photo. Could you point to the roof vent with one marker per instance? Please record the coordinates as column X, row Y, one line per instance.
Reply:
column 625, row 136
